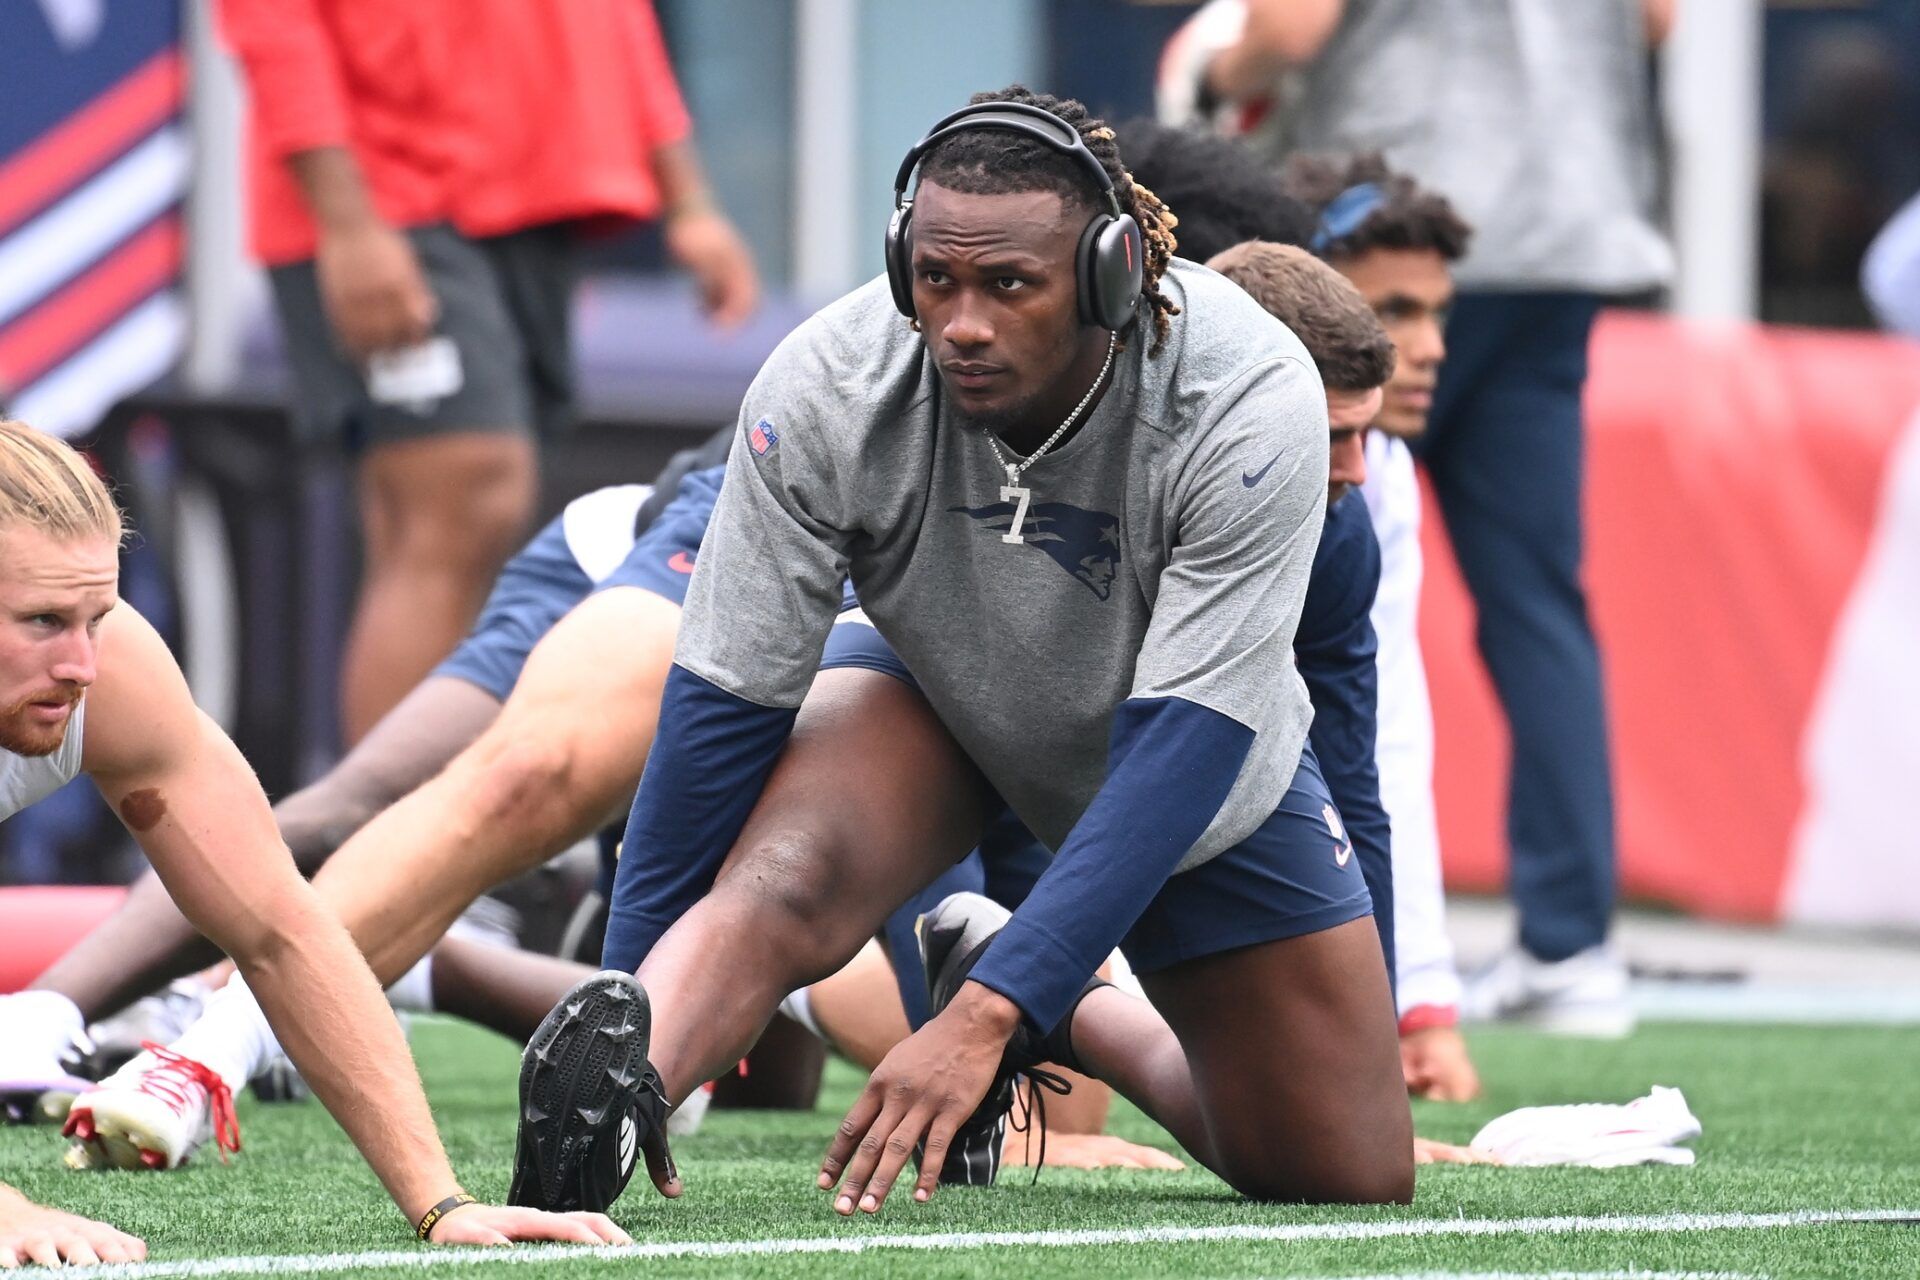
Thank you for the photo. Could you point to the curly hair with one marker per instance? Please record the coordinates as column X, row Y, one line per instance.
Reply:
column 1224, row 191
column 996, row 161
column 1411, row 217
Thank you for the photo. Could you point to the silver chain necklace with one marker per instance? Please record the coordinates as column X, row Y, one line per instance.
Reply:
column 1015, row 492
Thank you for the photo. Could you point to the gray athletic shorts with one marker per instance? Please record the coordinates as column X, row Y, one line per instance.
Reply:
column 505, row 303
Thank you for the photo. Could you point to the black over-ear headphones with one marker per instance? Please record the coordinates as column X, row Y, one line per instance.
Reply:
column 1108, row 264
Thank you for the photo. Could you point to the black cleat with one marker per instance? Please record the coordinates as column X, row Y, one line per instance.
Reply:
column 589, row 1102
column 953, row 937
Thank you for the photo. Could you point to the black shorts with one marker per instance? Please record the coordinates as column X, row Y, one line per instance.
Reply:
column 505, row 303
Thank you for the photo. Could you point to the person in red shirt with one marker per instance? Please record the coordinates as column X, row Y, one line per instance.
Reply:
column 419, row 176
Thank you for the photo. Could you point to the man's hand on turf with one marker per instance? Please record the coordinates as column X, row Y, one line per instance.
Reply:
column 31, row 1233
column 922, row 1091
column 501, row 1224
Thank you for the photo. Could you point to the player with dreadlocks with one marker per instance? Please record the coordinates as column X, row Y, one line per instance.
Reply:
column 1083, row 533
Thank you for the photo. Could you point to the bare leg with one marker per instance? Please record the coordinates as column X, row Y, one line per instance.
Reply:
column 1124, row 1041
column 147, row 942
column 563, row 756
column 1277, row 1066
column 502, row 989
column 858, row 1009
column 438, row 720
column 439, row 517
column 871, row 801
column 783, row 1071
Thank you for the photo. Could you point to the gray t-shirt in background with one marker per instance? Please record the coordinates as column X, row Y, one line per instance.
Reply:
column 1534, row 117
column 1167, row 547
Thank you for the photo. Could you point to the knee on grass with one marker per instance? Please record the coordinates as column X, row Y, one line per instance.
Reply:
column 1292, row 1177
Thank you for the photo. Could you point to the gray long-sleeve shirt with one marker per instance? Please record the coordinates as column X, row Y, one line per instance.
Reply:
column 1166, row 552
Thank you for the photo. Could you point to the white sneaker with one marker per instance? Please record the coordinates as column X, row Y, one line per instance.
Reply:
column 1583, row 995
column 41, row 1044
column 160, row 1018
column 153, row 1113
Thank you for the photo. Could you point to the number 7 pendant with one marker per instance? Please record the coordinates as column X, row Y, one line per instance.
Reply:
column 1019, row 495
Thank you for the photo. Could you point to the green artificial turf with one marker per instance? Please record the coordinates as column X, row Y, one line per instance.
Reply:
column 1796, row 1118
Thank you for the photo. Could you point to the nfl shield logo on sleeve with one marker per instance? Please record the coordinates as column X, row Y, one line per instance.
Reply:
column 763, row 437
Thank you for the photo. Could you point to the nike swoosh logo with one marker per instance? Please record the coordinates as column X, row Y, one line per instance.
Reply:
column 1252, row 478
column 680, row 562
column 1341, row 855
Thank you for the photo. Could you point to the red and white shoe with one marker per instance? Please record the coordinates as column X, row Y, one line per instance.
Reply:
column 153, row 1113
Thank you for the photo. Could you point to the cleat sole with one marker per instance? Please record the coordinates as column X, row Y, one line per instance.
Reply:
column 579, row 1078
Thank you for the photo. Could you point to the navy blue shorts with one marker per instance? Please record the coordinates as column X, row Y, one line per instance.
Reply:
column 544, row 582
column 1296, row 874
column 854, row 643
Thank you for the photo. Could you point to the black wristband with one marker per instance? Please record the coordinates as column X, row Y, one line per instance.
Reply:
column 431, row 1217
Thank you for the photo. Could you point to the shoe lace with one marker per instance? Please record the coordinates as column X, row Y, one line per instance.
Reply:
column 654, row 1106
column 174, row 1081
column 1028, row 1109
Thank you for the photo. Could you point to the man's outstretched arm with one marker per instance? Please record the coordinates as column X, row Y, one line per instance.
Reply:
column 146, row 943
column 189, row 799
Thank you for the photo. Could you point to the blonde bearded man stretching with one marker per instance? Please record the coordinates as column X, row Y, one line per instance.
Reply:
column 89, row 687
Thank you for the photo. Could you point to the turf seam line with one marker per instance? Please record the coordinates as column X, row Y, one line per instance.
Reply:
column 425, row 1257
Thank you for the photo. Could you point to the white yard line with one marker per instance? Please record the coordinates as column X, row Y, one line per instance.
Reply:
column 1548, row 1275
column 424, row 1259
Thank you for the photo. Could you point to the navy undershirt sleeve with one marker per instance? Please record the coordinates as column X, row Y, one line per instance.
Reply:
column 1170, row 765
column 709, row 764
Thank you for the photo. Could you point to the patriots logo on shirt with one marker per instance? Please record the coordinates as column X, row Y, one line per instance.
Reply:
column 1084, row 543
column 763, row 437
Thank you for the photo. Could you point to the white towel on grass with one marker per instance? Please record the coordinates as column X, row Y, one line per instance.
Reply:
column 1597, row 1135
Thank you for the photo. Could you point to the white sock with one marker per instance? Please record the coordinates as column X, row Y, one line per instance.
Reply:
column 232, row 1036
column 412, row 991
column 799, row 1007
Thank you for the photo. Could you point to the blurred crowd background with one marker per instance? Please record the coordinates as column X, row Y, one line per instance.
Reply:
column 1740, row 475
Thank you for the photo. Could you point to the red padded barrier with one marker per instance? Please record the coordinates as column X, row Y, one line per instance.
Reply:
column 37, row 924
column 1732, row 478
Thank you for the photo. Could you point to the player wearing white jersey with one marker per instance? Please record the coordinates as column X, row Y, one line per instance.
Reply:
column 1396, row 240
